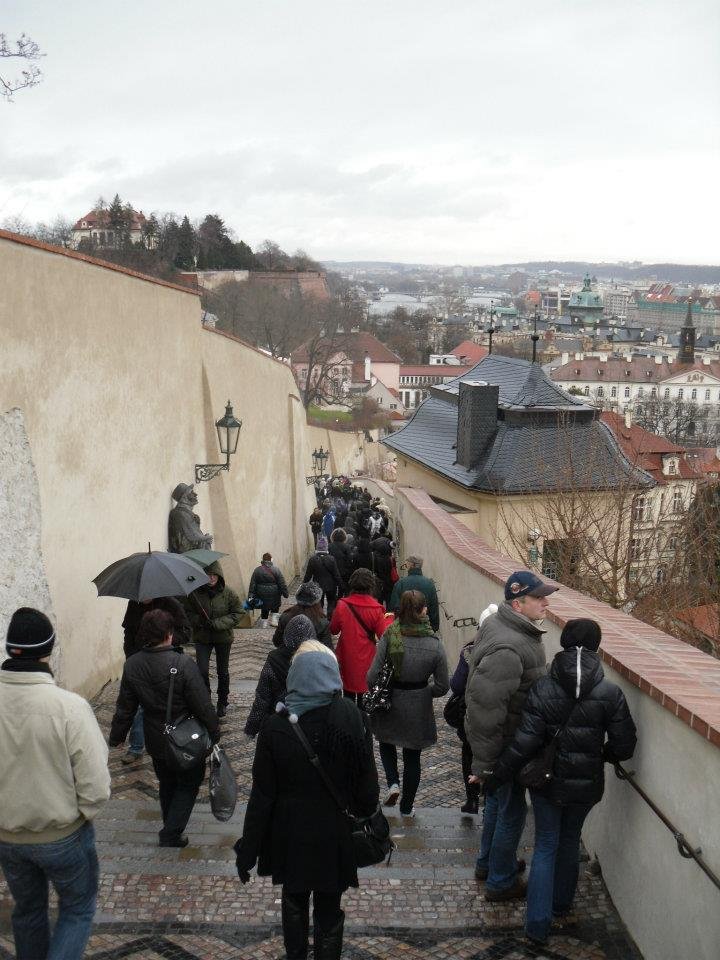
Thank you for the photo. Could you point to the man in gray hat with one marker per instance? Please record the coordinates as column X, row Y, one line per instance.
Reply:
column 184, row 531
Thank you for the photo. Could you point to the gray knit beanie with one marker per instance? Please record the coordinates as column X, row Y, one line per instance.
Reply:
column 297, row 631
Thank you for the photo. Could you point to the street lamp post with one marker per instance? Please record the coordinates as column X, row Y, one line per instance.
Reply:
column 228, row 431
column 319, row 458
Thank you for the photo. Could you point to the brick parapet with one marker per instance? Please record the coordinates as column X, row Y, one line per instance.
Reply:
column 682, row 679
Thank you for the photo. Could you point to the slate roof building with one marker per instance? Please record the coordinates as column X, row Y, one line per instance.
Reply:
column 503, row 432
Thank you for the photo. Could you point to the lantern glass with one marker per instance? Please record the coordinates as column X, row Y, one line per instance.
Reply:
column 228, row 431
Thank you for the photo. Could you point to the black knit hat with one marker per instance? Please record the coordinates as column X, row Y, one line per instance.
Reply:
column 581, row 633
column 30, row 635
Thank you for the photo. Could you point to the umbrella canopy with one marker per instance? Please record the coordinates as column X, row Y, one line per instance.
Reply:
column 145, row 576
column 203, row 557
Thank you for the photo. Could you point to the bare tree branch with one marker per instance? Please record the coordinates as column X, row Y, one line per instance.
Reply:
column 25, row 49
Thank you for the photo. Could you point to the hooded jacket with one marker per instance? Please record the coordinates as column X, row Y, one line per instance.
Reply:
column 575, row 693
column 507, row 658
column 323, row 569
column 214, row 612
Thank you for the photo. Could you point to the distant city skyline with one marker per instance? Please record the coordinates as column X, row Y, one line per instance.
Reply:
column 476, row 134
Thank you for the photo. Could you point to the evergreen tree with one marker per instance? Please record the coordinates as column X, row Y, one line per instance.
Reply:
column 187, row 245
column 217, row 251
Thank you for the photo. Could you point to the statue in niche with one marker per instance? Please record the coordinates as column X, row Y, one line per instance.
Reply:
column 184, row 531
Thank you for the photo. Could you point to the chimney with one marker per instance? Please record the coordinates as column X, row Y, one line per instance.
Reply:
column 658, row 359
column 603, row 358
column 564, row 358
column 477, row 421
column 628, row 418
column 367, row 366
column 706, row 361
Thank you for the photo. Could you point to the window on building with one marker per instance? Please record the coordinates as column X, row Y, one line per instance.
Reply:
column 627, row 392
column 653, row 392
column 636, row 548
column 600, row 392
column 693, row 395
column 666, row 394
column 660, row 575
column 640, row 509
column 677, row 501
column 632, row 575
column 586, row 391
column 641, row 391
column 707, row 395
column 680, row 393
column 613, row 391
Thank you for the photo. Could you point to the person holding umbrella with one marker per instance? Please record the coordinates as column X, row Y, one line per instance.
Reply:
column 214, row 611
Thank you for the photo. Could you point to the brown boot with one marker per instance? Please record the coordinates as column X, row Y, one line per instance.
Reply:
column 518, row 891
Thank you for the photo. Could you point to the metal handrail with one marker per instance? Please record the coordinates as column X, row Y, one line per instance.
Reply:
column 683, row 845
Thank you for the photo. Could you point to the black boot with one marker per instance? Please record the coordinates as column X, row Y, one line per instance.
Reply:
column 221, row 710
column 296, row 928
column 328, row 943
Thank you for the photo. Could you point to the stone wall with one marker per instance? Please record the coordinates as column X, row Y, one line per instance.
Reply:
column 109, row 389
column 349, row 451
column 673, row 690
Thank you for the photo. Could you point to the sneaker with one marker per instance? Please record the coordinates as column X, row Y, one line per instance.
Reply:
column 518, row 891
column 408, row 816
column 274, row 619
column 470, row 806
column 131, row 757
column 174, row 842
column 481, row 873
column 262, row 624
column 393, row 793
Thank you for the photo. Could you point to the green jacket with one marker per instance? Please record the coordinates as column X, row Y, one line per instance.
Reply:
column 416, row 581
column 214, row 614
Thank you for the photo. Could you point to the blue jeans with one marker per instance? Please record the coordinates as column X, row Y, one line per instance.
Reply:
column 503, row 822
column 71, row 865
column 136, row 740
column 555, row 863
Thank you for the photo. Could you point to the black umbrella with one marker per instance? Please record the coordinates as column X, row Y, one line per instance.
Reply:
column 145, row 576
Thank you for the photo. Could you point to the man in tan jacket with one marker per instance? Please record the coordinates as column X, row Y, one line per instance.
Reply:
column 54, row 779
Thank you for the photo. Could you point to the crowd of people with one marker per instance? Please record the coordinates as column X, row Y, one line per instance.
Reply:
column 353, row 618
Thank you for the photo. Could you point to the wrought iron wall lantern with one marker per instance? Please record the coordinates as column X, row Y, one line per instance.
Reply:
column 228, row 431
column 319, row 458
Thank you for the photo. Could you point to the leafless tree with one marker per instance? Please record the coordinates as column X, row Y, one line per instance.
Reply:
column 28, row 52
column 645, row 551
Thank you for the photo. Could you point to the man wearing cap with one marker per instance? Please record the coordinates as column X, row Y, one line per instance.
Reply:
column 414, row 580
column 507, row 657
column 54, row 780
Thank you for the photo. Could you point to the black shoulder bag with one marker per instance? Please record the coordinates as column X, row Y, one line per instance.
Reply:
column 538, row 772
column 378, row 699
column 187, row 742
column 370, row 835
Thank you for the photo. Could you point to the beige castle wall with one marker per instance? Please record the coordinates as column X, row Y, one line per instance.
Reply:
column 111, row 387
column 349, row 450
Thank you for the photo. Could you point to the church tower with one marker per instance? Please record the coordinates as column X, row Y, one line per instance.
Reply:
column 686, row 352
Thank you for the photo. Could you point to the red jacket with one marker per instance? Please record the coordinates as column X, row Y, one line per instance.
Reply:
column 356, row 647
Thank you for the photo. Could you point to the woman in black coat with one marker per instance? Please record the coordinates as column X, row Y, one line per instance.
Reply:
column 576, row 703
column 268, row 585
column 146, row 682
column 293, row 827
column 341, row 551
column 321, row 568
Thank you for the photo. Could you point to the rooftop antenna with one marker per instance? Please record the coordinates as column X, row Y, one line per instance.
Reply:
column 535, row 337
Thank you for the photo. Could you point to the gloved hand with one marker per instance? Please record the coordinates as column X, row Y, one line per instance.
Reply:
column 241, row 864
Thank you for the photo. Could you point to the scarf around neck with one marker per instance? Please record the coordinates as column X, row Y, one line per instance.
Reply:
column 395, row 634
column 313, row 681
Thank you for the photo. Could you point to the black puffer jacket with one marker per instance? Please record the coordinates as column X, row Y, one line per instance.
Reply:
column 145, row 682
column 321, row 568
column 574, row 692
column 268, row 584
column 342, row 553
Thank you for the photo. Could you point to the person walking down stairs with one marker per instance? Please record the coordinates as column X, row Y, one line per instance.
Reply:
column 268, row 585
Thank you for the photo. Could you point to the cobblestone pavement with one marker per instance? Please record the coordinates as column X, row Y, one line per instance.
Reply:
column 188, row 904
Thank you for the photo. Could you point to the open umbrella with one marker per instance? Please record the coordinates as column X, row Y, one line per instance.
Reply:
column 203, row 557
column 145, row 576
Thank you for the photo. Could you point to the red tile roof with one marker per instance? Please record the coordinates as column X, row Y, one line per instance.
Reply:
column 356, row 346
column 99, row 218
column 472, row 352
column 646, row 450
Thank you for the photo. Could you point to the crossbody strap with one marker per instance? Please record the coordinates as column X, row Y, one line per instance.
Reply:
column 315, row 761
column 371, row 637
column 171, row 688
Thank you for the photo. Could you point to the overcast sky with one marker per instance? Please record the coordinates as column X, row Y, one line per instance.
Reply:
column 470, row 131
